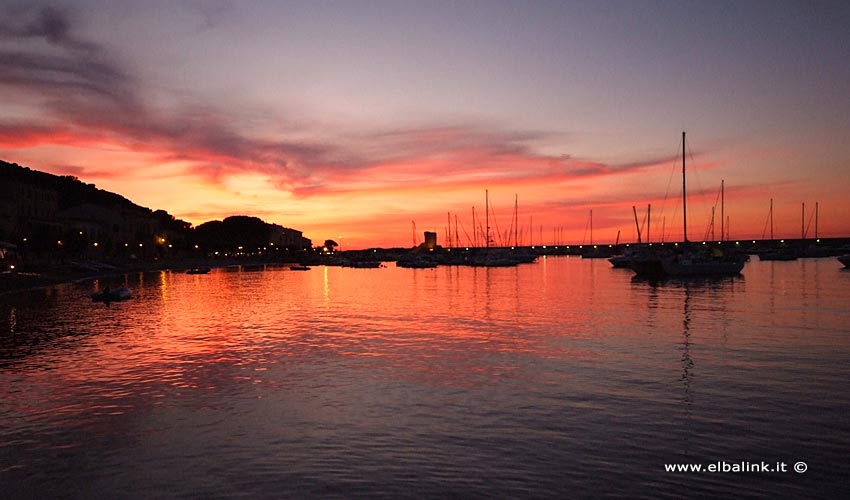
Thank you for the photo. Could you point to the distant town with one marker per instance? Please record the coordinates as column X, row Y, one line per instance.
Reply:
column 58, row 228
column 44, row 217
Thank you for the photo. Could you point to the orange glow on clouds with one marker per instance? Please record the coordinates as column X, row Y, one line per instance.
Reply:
column 72, row 107
column 374, row 204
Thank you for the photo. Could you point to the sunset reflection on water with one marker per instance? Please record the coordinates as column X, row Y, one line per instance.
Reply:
column 468, row 380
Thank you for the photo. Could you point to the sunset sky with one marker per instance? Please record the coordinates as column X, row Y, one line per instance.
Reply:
column 351, row 119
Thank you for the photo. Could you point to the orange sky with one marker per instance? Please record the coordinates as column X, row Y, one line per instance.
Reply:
column 349, row 132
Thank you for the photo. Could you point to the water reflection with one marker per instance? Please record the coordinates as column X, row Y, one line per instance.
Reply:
column 484, row 382
column 13, row 320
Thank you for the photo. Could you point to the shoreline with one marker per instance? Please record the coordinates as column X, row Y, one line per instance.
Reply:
column 68, row 273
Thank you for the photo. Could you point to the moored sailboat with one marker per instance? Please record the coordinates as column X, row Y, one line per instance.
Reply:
column 688, row 260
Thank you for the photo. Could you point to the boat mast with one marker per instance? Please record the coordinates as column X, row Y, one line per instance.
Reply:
column 457, row 234
column 816, row 220
column 516, row 221
column 803, row 222
column 722, row 212
column 771, row 219
column 487, row 216
column 684, row 196
column 474, row 230
column 648, row 219
column 591, row 227
column 449, row 229
column 634, row 210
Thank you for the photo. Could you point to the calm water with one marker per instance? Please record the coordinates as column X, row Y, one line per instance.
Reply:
column 560, row 379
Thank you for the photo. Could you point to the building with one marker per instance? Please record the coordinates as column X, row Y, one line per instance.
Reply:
column 430, row 240
column 26, row 209
column 286, row 238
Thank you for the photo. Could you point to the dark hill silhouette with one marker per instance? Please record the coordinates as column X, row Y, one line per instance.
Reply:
column 70, row 190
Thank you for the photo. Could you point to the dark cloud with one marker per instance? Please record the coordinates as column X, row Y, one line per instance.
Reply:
column 210, row 11
column 87, row 93
column 72, row 68
column 49, row 23
column 52, row 24
column 82, row 87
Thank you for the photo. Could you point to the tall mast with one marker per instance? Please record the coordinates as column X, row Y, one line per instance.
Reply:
column 722, row 212
column 816, row 220
column 712, row 223
column 803, row 222
column 591, row 227
column 684, row 196
column 634, row 210
column 474, row 230
column 457, row 234
column 648, row 219
column 771, row 219
column 449, row 229
column 487, row 215
column 516, row 221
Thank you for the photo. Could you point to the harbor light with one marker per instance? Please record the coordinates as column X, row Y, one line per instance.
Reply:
column 94, row 244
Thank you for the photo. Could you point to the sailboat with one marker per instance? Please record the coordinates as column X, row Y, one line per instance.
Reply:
column 689, row 260
column 492, row 256
column 593, row 251
column 624, row 259
column 776, row 252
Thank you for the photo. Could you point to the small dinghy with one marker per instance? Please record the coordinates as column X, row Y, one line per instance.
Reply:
column 110, row 295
